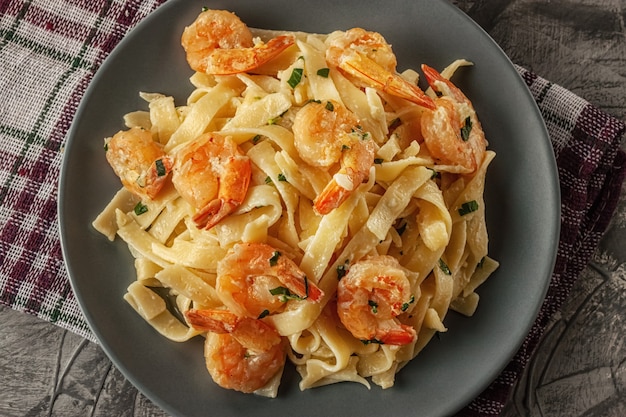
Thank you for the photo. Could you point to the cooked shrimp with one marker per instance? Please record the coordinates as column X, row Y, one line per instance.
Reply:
column 326, row 133
column 371, row 296
column 219, row 43
column 255, row 279
column 213, row 175
column 139, row 161
column 241, row 353
column 367, row 58
column 452, row 132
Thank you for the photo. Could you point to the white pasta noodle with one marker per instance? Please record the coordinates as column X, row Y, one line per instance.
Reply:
column 411, row 207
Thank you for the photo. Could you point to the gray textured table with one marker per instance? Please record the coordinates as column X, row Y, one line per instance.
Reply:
column 580, row 366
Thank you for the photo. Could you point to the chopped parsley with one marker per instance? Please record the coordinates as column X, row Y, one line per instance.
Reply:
column 323, row 72
column 268, row 180
column 140, row 209
column 406, row 305
column 256, row 139
column 295, row 78
column 444, row 267
column 374, row 305
column 282, row 177
column 273, row 120
column 160, row 168
column 342, row 269
column 284, row 294
column 367, row 342
column 378, row 161
column 264, row 313
column 468, row 207
column 329, row 106
column 274, row 258
column 435, row 175
column 465, row 130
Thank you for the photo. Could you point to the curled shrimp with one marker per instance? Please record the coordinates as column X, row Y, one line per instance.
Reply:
column 255, row 279
column 219, row 43
column 241, row 353
column 139, row 161
column 452, row 132
column 326, row 133
column 366, row 58
column 371, row 296
column 213, row 175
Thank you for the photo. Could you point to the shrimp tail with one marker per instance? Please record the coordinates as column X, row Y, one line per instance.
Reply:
column 216, row 321
column 402, row 335
column 235, row 61
column 377, row 77
column 297, row 281
column 232, row 190
column 214, row 212
column 250, row 333
column 331, row 197
column 435, row 79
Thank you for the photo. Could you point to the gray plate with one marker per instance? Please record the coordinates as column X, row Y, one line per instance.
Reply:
column 522, row 199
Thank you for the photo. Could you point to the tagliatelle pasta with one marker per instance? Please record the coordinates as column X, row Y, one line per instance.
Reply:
column 398, row 207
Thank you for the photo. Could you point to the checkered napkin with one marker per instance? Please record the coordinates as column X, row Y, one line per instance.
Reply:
column 49, row 52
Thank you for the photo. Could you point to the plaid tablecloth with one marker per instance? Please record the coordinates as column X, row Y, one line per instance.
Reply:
column 49, row 52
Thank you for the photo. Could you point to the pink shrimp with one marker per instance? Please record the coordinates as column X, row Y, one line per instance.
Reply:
column 213, row 175
column 326, row 133
column 370, row 297
column 219, row 43
column 367, row 58
column 255, row 279
column 241, row 353
column 452, row 132
column 139, row 161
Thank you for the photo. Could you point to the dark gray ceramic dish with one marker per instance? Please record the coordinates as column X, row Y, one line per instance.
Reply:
column 522, row 201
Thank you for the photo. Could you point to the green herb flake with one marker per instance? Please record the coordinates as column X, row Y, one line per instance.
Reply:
column 284, row 294
column 140, row 209
column 468, row 207
column 274, row 258
column 342, row 270
column 368, row 342
column 406, row 305
column 273, row 120
column 323, row 72
column 268, row 180
column 435, row 175
column 256, row 139
column 345, row 148
column 444, row 267
column 295, row 78
column 329, row 106
column 374, row 306
column 282, row 177
column 160, row 168
column 378, row 161
column 264, row 313
column 280, row 291
column 204, row 9
column 466, row 129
